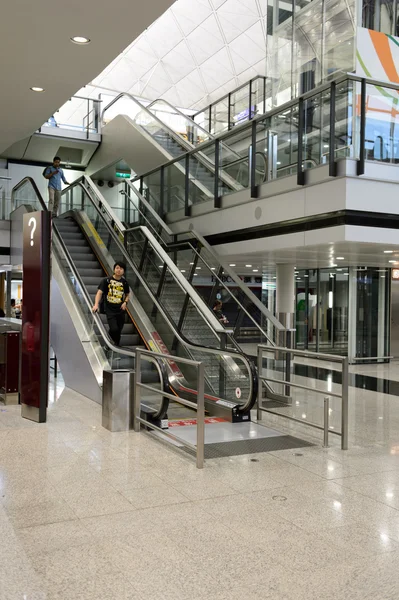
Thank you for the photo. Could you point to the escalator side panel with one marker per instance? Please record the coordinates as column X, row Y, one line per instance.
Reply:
column 80, row 366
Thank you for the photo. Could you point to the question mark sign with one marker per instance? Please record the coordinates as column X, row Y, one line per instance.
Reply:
column 32, row 221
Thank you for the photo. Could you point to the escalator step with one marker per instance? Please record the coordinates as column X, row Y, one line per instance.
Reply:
column 98, row 273
column 88, row 280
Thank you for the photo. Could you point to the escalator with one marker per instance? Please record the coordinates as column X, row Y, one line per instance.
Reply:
column 160, row 142
column 87, row 240
column 156, row 253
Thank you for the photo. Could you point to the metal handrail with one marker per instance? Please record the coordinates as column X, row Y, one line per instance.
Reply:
column 199, row 406
column 275, row 111
column 235, row 356
column 240, row 87
column 344, row 433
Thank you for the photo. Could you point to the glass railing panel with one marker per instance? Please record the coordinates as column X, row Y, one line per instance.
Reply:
column 283, row 142
column 26, row 195
column 347, row 125
column 312, row 131
column 234, row 160
column 201, row 180
column 78, row 114
column 152, row 190
column 174, row 195
column 180, row 123
column 382, row 124
column 220, row 116
column 240, row 109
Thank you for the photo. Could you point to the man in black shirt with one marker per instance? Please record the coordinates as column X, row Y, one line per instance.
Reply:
column 116, row 296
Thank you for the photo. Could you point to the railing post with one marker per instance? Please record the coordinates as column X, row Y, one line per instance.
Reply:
column 161, row 198
column 250, row 100
column 200, row 416
column 187, row 186
column 137, row 392
column 260, row 385
column 362, row 141
column 345, row 404
column 326, row 421
column 254, row 187
column 217, row 199
column 300, row 171
column 332, row 168
column 288, row 343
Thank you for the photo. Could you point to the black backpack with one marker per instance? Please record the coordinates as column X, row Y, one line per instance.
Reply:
column 44, row 172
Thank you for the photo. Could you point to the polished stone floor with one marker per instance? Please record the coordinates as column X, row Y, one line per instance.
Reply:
column 86, row 514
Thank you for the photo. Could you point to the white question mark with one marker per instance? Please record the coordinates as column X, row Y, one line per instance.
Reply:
column 32, row 221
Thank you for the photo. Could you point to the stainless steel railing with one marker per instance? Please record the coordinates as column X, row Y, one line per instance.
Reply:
column 199, row 406
column 344, row 395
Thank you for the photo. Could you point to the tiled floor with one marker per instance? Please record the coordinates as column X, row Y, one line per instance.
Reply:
column 90, row 515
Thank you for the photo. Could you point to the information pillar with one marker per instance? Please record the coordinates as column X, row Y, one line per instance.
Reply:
column 35, row 315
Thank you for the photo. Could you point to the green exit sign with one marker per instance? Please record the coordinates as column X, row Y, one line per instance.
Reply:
column 122, row 175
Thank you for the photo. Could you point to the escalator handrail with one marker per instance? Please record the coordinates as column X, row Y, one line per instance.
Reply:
column 259, row 305
column 163, row 125
column 235, row 355
column 35, row 188
column 163, row 378
column 71, row 265
column 177, row 137
column 195, row 298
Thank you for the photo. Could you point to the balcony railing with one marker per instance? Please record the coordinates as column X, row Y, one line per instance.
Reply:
column 350, row 117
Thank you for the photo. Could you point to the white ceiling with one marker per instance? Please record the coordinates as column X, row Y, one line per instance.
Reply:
column 35, row 50
column 198, row 51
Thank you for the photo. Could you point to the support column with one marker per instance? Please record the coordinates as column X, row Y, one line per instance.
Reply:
column 285, row 295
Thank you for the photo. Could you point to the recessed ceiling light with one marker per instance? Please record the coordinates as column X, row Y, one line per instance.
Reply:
column 255, row 270
column 198, row 268
column 388, row 251
column 232, row 265
column 340, row 258
column 212, row 268
column 333, row 266
column 183, row 271
column 77, row 39
column 393, row 262
column 37, row 89
column 249, row 266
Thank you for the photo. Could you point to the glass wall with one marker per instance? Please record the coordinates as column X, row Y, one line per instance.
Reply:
column 309, row 42
column 370, row 292
column 344, row 311
column 322, row 305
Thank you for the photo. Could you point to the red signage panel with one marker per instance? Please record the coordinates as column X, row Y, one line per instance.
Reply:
column 35, row 315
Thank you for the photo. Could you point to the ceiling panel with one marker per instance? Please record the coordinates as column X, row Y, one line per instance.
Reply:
column 211, row 44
